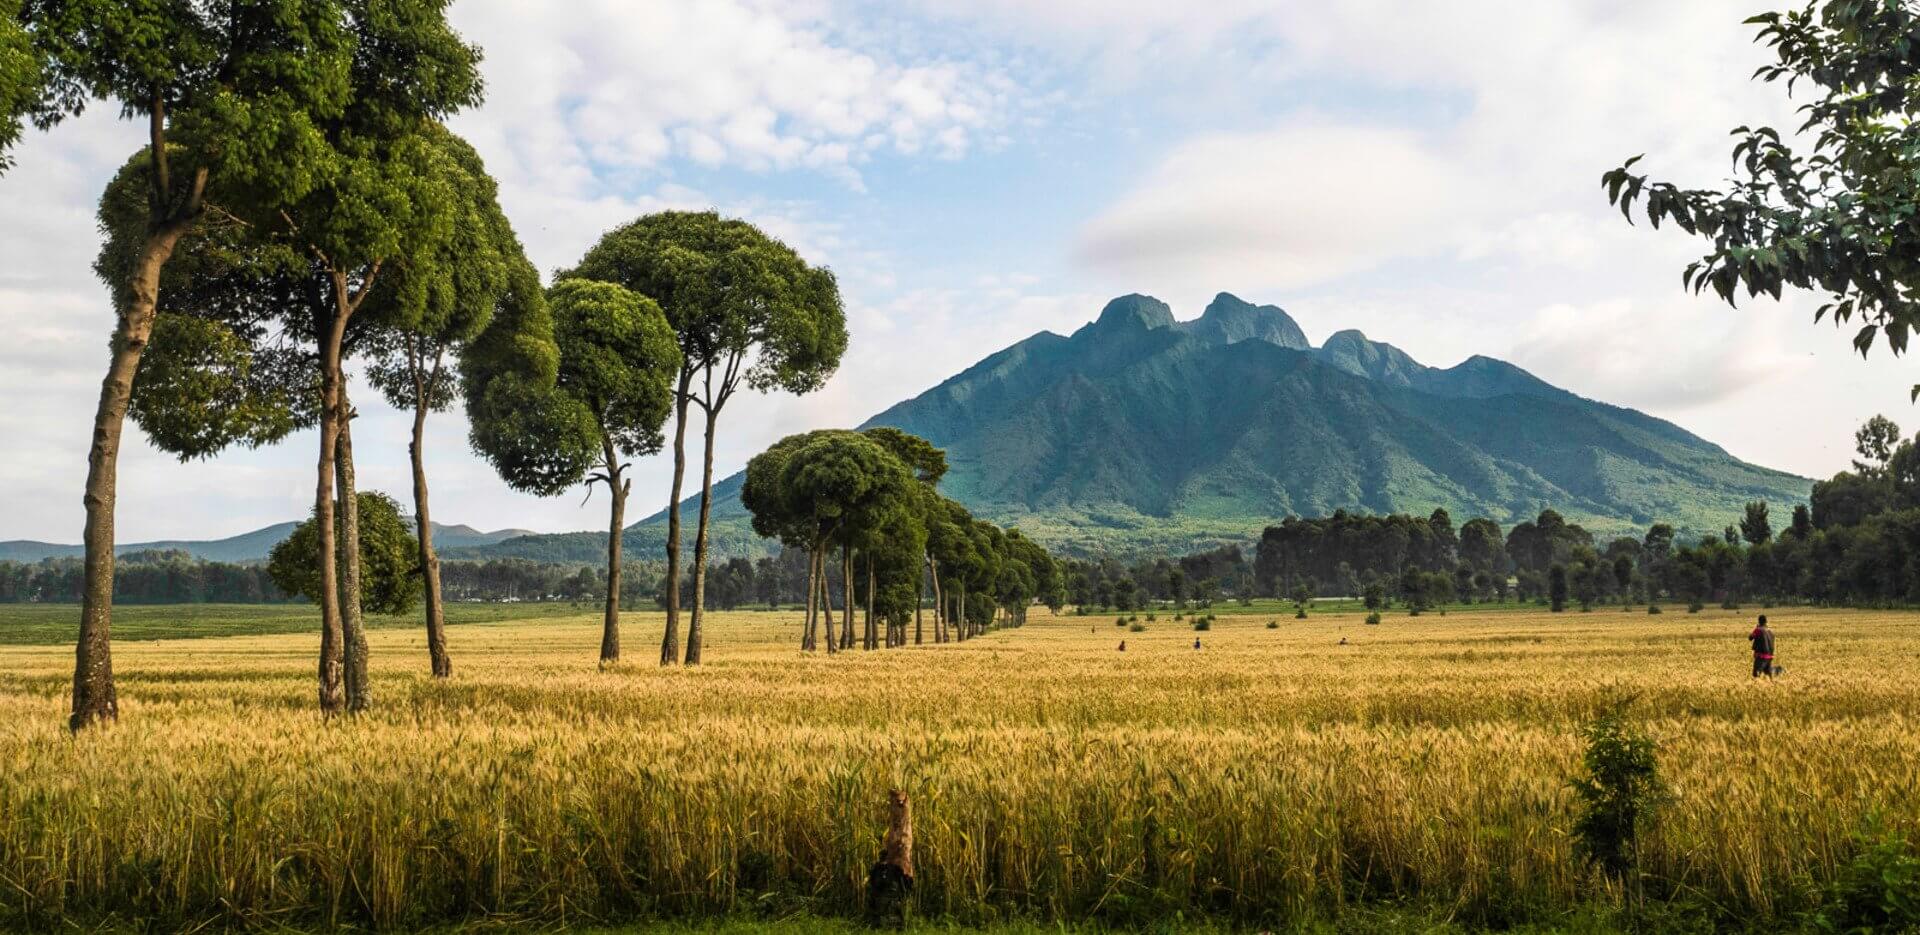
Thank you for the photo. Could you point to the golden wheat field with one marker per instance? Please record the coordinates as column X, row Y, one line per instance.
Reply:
column 1272, row 774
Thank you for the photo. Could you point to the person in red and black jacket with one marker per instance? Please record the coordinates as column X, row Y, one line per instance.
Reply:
column 1762, row 640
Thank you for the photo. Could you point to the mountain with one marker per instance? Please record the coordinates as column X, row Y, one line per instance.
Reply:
column 246, row 547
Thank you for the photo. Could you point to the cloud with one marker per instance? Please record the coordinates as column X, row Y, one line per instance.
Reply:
column 1674, row 355
column 1279, row 209
column 632, row 84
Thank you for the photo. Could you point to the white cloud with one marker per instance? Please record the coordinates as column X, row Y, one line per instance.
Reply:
column 1280, row 209
column 1670, row 356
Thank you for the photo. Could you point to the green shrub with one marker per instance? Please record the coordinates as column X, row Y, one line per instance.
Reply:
column 1694, row 607
column 1653, row 608
column 1273, row 624
column 1119, row 621
column 1203, row 623
column 1729, row 604
column 1137, row 627
column 1619, row 795
column 1877, row 891
column 1373, row 619
column 1300, row 614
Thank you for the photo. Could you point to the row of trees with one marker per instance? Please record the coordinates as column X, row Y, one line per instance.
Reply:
column 872, row 497
column 160, row 576
column 299, row 204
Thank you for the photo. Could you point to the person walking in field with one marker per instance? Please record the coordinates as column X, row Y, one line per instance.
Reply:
column 1762, row 640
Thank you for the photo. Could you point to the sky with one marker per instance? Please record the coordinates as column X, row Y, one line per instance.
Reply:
column 975, row 171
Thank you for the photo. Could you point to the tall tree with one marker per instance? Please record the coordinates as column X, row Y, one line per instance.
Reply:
column 1839, row 215
column 618, row 360
column 469, row 271
column 1755, row 527
column 1875, row 442
column 747, row 311
column 220, row 86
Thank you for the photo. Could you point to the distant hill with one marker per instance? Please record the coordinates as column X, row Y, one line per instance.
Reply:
column 1142, row 432
column 246, row 547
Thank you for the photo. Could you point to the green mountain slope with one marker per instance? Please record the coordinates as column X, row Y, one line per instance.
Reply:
column 246, row 547
column 1139, row 432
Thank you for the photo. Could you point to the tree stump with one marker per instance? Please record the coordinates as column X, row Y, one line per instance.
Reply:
column 890, row 882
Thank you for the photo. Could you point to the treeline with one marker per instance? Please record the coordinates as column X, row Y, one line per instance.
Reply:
column 1856, row 542
column 158, row 576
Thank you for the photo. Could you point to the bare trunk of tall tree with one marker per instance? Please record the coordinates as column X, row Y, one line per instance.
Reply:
column 846, row 598
column 826, row 605
column 353, row 626
column 962, row 623
column 872, row 635
column 939, row 602
column 700, row 542
column 617, row 488
column 670, row 640
column 94, row 698
column 333, row 697
column 423, row 524
column 813, row 593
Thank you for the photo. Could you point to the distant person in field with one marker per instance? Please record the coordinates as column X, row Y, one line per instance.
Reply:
column 1123, row 646
column 1762, row 640
column 1196, row 642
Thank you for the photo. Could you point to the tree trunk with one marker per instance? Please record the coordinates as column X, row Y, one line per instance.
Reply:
column 919, row 597
column 332, row 664
column 826, row 606
column 700, row 542
column 353, row 627
column 617, row 489
column 872, row 640
column 963, row 613
column 670, row 640
column 429, row 561
column 846, row 598
column 813, row 592
column 94, row 698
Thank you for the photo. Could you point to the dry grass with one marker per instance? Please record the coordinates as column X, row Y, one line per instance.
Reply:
column 1274, row 774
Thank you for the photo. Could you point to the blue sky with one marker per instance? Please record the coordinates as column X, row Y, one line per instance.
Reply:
column 978, row 171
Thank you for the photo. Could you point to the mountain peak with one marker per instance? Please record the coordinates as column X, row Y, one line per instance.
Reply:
column 1230, row 319
column 1134, row 312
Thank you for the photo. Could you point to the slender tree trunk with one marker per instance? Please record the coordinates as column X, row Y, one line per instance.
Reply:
column 919, row 598
column 94, row 698
column 429, row 561
column 963, row 623
column 813, row 592
column 670, row 640
column 353, row 628
column 333, row 697
column 870, row 638
column 826, row 606
column 700, row 541
column 617, row 488
column 846, row 598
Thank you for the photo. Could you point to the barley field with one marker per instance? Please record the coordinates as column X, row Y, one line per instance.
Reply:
column 1273, row 776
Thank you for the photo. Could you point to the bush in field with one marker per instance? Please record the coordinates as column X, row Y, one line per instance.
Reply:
column 1373, row 619
column 1273, row 624
column 1203, row 623
column 1694, row 607
column 1137, row 627
column 1619, row 795
column 1653, row 608
column 1877, row 891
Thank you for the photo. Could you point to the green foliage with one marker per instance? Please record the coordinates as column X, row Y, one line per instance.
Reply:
column 1137, row 627
column 1273, row 624
column 201, row 387
column 390, row 580
column 726, row 287
column 1620, row 793
column 1557, row 587
column 1695, row 607
column 1876, row 891
column 1653, row 609
column 1373, row 619
column 617, row 359
column 1203, row 623
column 19, row 79
column 1835, row 217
